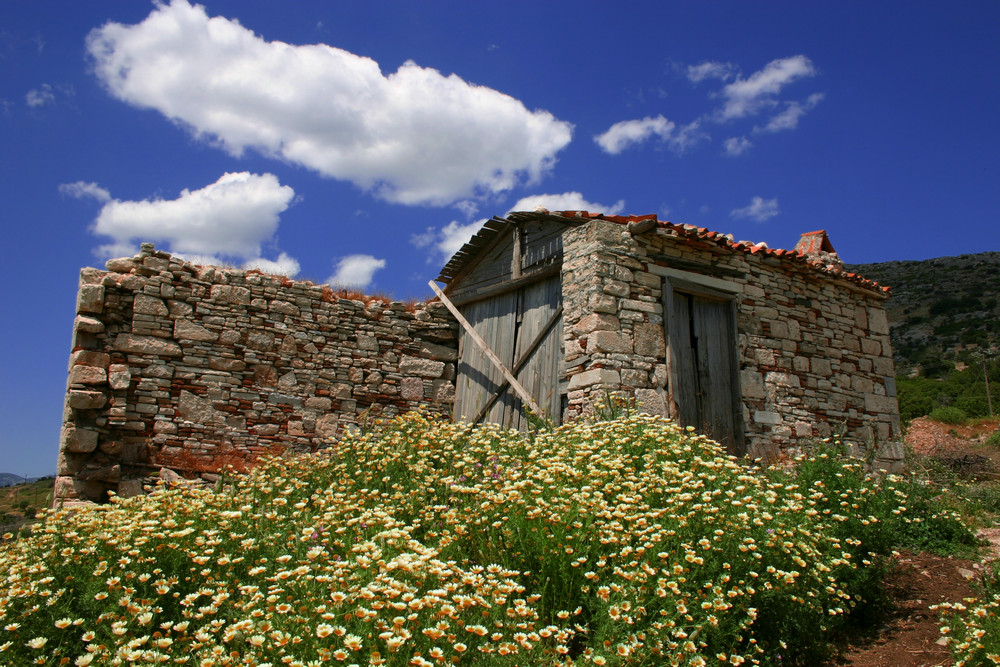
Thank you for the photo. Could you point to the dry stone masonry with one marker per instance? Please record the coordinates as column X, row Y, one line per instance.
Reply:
column 179, row 370
column 814, row 358
column 189, row 368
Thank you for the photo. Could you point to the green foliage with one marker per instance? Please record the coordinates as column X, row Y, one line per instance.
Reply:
column 994, row 439
column 949, row 414
column 943, row 386
column 973, row 626
column 629, row 541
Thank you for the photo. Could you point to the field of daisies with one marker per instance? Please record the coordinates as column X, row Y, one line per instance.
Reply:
column 628, row 541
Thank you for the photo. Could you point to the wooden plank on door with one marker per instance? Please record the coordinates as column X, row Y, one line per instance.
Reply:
column 542, row 305
column 684, row 381
column 495, row 316
column 710, row 320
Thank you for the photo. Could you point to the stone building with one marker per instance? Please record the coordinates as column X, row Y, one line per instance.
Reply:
column 758, row 348
column 185, row 368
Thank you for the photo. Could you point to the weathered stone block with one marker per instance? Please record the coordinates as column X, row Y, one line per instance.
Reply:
column 368, row 343
column 439, row 352
column 649, row 340
column 90, row 299
column 604, row 376
column 880, row 404
column 226, row 364
column 609, row 341
column 752, row 384
column 195, row 409
column 326, row 426
column 188, row 330
column 144, row 304
column 766, row 417
column 603, row 303
column 87, row 375
column 78, row 440
column 411, row 389
column 878, row 321
column 596, row 322
column 429, row 368
column 89, row 358
column 151, row 345
column 231, row 294
column 651, row 401
column 87, row 400
column 87, row 324
column 119, row 376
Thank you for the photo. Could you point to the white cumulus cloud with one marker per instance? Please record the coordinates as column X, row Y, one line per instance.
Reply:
column 759, row 209
column 748, row 96
column 231, row 219
column 414, row 136
column 355, row 271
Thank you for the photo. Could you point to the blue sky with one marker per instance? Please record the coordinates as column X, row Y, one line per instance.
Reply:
column 361, row 142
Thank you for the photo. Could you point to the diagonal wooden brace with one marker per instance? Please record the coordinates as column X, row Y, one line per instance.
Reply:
column 494, row 359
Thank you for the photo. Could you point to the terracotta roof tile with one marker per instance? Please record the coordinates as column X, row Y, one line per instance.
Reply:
column 691, row 233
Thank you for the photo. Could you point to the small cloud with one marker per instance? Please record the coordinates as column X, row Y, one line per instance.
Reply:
column 468, row 207
column 83, row 190
column 355, row 271
column 40, row 97
column 46, row 95
column 759, row 210
column 566, row 201
column 283, row 266
column 749, row 96
column 789, row 118
column 737, row 145
column 711, row 70
column 628, row 133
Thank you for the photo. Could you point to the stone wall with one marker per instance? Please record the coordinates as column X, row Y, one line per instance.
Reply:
column 814, row 352
column 189, row 368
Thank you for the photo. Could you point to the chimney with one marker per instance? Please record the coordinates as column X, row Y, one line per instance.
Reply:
column 817, row 246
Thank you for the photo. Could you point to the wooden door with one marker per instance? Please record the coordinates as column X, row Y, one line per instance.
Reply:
column 704, row 371
column 523, row 327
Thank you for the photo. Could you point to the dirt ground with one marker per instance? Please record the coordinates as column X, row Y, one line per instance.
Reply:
column 910, row 636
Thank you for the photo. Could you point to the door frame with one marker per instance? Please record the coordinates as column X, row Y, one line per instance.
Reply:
column 713, row 289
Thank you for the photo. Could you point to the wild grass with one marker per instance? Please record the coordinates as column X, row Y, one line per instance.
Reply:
column 621, row 542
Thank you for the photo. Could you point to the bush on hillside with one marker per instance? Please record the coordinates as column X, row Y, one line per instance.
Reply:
column 949, row 415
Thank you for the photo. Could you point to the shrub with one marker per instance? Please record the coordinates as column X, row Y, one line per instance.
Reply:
column 973, row 628
column 948, row 415
column 994, row 439
column 620, row 542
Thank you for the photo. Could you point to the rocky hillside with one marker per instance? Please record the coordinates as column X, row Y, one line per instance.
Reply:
column 944, row 312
